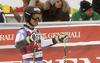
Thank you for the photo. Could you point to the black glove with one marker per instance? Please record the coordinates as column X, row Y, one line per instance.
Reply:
column 61, row 38
column 33, row 37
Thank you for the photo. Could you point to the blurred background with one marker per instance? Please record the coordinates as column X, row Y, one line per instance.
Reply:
column 18, row 5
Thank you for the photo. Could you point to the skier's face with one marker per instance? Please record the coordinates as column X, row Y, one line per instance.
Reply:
column 58, row 4
column 89, row 12
column 35, row 19
column 34, row 22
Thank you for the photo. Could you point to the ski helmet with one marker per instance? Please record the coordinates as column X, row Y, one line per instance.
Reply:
column 30, row 11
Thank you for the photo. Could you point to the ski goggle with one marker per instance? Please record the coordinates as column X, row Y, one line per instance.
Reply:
column 37, row 16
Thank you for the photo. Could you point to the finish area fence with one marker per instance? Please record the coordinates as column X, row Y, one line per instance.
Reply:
column 83, row 45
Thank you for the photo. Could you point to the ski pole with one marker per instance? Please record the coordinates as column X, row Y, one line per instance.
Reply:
column 65, row 52
column 36, row 39
column 34, row 52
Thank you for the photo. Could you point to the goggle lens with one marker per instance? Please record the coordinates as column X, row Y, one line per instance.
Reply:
column 36, row 16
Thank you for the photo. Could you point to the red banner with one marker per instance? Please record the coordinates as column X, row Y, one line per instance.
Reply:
column 82, row 47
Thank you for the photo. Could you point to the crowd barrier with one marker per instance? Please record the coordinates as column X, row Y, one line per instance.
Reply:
column 68, row 23
column 83, row 45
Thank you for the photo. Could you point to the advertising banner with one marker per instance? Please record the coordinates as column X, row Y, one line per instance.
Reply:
column 82, row 47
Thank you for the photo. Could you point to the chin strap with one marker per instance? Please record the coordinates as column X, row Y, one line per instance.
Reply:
column 30, row 24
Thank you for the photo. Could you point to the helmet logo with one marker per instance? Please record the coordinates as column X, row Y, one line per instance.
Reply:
column 27, row 13
column 37, row 10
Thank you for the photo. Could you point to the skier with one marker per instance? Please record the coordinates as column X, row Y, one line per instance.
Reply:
column 29, row 40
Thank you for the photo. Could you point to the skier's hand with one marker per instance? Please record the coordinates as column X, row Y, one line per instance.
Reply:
column 62, row 38
column 33, row 37
column 13, row 11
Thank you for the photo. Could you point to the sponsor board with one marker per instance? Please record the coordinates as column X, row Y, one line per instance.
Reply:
column 76, row 54
column 82, row 47
column 77, row 34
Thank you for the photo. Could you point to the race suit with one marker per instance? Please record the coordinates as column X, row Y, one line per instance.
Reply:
column 28, row 51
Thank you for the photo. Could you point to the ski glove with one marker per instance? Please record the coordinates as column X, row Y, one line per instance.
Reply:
column 33, row 37
column 61, row 38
